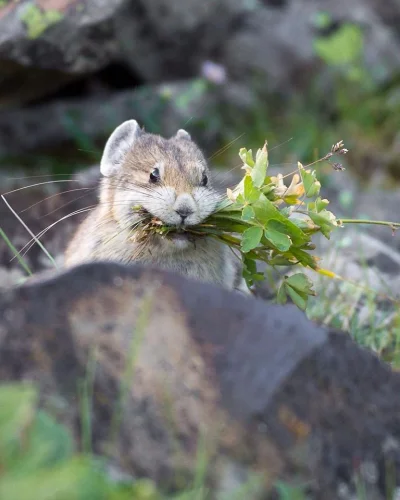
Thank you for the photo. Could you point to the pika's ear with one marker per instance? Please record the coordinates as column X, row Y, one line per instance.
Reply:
column 182, row 134
column 119, row 143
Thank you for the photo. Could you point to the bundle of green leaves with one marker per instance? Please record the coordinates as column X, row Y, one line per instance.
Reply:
column 263, row 219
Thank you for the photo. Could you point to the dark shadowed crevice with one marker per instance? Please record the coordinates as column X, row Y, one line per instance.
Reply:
column 114, row 77
column 276, row 3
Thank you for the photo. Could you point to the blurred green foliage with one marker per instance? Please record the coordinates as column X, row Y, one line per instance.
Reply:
column 344, row 97
column 37, row 20
column 38, row 460
column 37, row 457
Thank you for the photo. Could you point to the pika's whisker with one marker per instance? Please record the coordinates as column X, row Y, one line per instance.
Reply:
column 53, row 196
column 36, row 238
column 227, row 146
column 29, row 231
column 38, row 184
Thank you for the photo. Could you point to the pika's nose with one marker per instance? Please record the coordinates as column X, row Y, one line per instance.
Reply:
column 184, row 212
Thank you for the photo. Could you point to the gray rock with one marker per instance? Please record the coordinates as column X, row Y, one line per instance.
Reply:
column 56, row 39
column 161, row 39
column 268, row 394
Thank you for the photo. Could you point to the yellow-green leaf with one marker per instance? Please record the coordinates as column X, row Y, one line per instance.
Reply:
column 250, row 192
column 344, row 46
column 310, row 182
column 325, row 220
column 259, row 170
column 246, row 157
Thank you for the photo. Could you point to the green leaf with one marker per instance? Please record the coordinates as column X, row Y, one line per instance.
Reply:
column 321, row 204
column 246, row 157
column 259, row 170
column 17, row 408
column 280, row 260
column 298, row 287
column 301, row 283
column 299, row 299
column 46, row 444
column 318, row 205
column 281, row 295
column 268, row 189
column 73, row 479
column 276, row 235
column 248, row 213
column 306, row 225
column 304, row 258
column 265, row 210
column 325, row 220
column 251, row 238
column 285, row 211
column 251, row 193
column 240, row 199
column 249, row 264
column 344, row 46
column 310, row 182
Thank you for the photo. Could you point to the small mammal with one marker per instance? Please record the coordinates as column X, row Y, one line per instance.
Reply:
column 170, row 178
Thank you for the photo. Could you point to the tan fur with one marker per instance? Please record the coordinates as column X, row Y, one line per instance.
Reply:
column 107, row 233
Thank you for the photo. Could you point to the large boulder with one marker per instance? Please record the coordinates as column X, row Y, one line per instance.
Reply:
column 176, row 365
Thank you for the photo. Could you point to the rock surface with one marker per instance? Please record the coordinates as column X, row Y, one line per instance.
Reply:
column 59, row 124
column 273, row 395
column 56, row 39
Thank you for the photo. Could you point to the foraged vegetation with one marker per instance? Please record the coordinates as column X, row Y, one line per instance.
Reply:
column 264, row 220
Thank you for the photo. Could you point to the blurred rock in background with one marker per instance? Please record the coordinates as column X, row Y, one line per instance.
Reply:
column 71, row 56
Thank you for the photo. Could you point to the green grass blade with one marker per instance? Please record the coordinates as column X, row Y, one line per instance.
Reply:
column 15, row 252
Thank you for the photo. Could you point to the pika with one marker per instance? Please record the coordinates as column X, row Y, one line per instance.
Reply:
column 171, row 180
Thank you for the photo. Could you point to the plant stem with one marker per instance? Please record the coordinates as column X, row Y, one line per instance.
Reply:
column 366, row 221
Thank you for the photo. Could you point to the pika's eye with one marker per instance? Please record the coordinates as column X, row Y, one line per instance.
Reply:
column 204, row 180
column 155, row 175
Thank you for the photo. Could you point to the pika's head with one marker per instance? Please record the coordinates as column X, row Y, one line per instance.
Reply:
column 168, row 177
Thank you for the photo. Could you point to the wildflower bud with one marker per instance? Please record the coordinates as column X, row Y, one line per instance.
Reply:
column 343, row 151
column 336, row 147
column 338, row 166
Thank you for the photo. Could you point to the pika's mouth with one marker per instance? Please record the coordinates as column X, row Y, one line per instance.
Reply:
column 149, row 221
column 150, row 225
